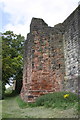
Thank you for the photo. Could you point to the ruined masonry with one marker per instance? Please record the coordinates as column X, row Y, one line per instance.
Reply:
column 51, row 59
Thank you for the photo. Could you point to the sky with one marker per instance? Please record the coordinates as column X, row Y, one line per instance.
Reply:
column 17, row 14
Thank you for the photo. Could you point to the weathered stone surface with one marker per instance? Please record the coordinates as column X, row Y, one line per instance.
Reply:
column 51, row 59
column 71, row 51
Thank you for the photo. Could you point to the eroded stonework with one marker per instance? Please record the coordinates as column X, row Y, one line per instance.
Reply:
column 51, row 59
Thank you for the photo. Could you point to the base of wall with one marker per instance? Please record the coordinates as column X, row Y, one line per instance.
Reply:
column 32, row 95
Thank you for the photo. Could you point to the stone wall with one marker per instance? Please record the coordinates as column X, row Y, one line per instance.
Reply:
column 79, row 49
column 71, row 48
column 51, row 57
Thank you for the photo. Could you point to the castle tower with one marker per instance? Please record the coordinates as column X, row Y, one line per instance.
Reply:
column 51, row 59
column 43, row 65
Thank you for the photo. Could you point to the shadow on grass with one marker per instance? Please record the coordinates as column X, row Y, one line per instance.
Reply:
column 12, row 94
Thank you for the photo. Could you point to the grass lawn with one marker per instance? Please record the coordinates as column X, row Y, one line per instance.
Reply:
column 11, row 109
column 0, row 109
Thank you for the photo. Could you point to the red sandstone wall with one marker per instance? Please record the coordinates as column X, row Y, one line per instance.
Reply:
column 43, row 68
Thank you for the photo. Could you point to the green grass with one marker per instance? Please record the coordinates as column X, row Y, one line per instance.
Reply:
column 57, row 100
column 53, row 100
column 10, row 109
column 14, row 107
column 21, row 103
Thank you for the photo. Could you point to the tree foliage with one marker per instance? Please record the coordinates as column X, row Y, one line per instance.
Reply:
column 12, row 56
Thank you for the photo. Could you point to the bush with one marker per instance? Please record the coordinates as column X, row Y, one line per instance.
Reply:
column 58, row 100
column 10, row 93
column 8, row 90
